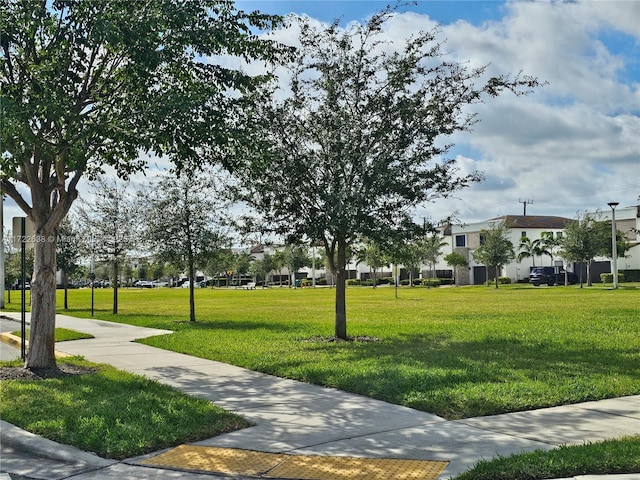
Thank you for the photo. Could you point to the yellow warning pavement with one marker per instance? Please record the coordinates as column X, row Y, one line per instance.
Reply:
column 299, row 467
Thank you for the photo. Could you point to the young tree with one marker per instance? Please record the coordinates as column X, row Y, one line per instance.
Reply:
column 241, row 265
column 360, row 139
column 109, row 226
column 69, row 250
column 455, row 260
column 280, row 262
column 219, row 262
column 87, row 83
column 584, row 239
column 375, row 256
column 13, row 266
column 410, row 255
column 418, row 251
column 432, row 249
column 295, row 257
column 496, row 250
column 261, row 268
column 183, row 224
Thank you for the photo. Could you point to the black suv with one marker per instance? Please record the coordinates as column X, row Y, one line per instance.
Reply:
column 549, row 276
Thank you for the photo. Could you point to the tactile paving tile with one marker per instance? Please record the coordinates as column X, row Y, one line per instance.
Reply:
column 299, row 467
column 213, row 459
column 350, row 468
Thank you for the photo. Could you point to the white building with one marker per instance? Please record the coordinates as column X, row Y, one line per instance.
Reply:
column 465, row 239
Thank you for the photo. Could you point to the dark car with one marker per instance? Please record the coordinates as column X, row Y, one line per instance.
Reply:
column 550, row 276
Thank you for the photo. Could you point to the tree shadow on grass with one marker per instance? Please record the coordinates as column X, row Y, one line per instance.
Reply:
column 458, row 379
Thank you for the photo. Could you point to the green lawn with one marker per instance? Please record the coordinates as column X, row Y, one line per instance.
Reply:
column 455, row 352
column 110, row 412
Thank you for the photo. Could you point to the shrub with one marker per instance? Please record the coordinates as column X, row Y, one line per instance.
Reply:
column 431, row 282
column 385, row 281
column 608, row 277
column 404, row 282
column 321, row 281
column 353, row 281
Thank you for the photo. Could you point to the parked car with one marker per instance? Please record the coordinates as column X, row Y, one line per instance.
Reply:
column 549, row 276
column 18, row 286
column 160, row 283
column 143, row 284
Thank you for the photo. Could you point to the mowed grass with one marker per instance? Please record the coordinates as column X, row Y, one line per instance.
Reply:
column 455, row 352
column 110, row 412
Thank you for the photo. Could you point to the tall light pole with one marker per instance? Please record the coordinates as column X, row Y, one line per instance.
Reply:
column 614, row 245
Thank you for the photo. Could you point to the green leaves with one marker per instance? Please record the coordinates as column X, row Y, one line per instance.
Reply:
column 93, row 82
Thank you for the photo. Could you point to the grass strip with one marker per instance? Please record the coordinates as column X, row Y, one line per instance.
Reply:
column 60, row 334
column 110, row 412
column 607, row 457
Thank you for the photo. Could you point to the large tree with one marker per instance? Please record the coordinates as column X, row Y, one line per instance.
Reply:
column 358, row 137
column 495, row 248
column 88, row 83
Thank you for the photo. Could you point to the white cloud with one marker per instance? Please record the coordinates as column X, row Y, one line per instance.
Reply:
column 570, row 146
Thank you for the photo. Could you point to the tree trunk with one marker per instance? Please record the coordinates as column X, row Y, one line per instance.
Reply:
column 341, row 290
column 192, row 279
column 65, row 284
column 43, row 303
column 589, row 282
column 116, row 273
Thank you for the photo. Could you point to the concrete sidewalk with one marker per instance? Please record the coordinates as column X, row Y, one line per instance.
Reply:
column 297, row 418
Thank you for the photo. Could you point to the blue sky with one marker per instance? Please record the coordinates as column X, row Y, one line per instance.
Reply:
column 572, row 146
column 446, row 11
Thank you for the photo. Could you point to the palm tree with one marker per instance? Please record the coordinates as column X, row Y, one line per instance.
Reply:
column 431, row 247
column 531, row 248
column 548, row 243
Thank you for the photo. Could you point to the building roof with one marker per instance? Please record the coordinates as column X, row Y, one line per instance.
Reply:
column 533, row 221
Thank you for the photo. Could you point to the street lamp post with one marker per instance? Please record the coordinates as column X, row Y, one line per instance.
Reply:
column 614, row 246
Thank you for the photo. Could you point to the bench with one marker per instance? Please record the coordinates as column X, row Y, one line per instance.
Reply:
column 249, row 286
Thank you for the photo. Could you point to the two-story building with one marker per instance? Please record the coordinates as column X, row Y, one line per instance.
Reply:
column 465, row 239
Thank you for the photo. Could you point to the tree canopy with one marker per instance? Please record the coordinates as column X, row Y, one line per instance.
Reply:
column 495, row 248
column 586, row 238
column 90, row 83
column 184, row 223
column 359, row 137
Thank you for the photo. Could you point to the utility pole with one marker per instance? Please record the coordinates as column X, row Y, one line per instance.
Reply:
column 525, row 203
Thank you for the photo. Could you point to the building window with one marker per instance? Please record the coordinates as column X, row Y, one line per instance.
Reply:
column 523, row 234
column 483, row 239
column 558, row 235
column 461, row 240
